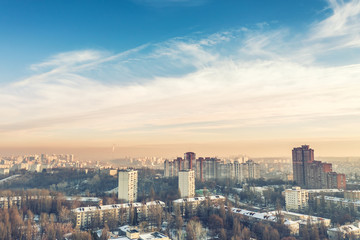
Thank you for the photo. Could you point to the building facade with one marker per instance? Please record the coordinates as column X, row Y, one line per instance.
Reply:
column 344, row 232
column 301, row 156
column 352, row 195
column 189, row 158
column 213, row 168
column 308, row 173
column 187, row 183
column 86, row 217
column 296, row 198
column 127, row 188
column 330, row 202
column 194, row 203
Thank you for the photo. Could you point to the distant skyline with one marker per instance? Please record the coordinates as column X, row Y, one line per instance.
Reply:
column 243, row 77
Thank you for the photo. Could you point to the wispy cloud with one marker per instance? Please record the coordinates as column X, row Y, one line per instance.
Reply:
column 343, row 22
column 337, row 36
column 216, row 87
column 69, row 59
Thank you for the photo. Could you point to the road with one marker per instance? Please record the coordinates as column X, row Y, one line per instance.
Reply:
column 9, row 178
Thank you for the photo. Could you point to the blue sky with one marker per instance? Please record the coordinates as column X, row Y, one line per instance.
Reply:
column 34, row 30
column 84, row 73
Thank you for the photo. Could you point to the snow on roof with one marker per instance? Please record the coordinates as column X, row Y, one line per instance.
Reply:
column 343, row 200
column 271, row 216
column 265, row 216
column 345, row 229
column 303, row 218
column 198, row 199
column 114, row 206
column 153, row 235
column 325, row 190
column 82, row 199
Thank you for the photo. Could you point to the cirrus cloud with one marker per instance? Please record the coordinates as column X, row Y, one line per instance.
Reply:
column 239, row 84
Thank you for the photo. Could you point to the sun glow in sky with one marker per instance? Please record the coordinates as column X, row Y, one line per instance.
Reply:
column 245, row 74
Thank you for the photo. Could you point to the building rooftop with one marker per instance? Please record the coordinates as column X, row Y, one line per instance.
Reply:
column 266, row 216
column 272, row 216
column 127, row 170
column 114, row 206
column 154, row 235
column 325, row 190
column 83, row 199
column 303, row 218
column 342, row 200
column 198, row 199
column 344, row 229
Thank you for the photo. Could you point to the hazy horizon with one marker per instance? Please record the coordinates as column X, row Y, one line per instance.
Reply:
column 252, row 149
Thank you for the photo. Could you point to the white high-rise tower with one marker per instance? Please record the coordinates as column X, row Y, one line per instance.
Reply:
column 187, row 183
column 127, row 189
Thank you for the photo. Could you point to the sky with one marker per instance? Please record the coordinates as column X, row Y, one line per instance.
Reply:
column 252, row 77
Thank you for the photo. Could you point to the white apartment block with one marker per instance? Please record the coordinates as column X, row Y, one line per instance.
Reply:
column 86, row 216
column 293, row 221
column 296, row 198
column 127, row 189
column 193, row 203
column 187, row 183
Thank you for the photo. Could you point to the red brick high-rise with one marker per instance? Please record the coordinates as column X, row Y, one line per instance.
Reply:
column 301, row 156
column 309, row 173
column 189, row 158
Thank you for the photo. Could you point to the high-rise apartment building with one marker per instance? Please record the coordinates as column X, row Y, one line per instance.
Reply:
column 200, row 169
column 309, row 173
column 189, row 158
column 168, row 168
column 187, row 183
column 213, row 168
column 316, row 174
column 336, row 180
column 296, row 198
column 253, row 169
column 127, row 189
column 300, row 157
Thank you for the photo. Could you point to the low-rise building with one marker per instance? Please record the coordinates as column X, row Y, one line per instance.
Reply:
column 335, row 201
column 84, row 200
column 352, row 195
column 7, row 202
column 344, row 232
column 193, row 203
column 153, row 236
column 293, row 221
column 270, row 217
column 109, row 171
column 330, row 191
column 304, row 219
column 4, row 171
column 132, row 233
column 35, row 167
column 85, row 217
column 296, row 198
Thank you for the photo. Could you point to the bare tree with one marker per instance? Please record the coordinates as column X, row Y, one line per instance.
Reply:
column 195, row 231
